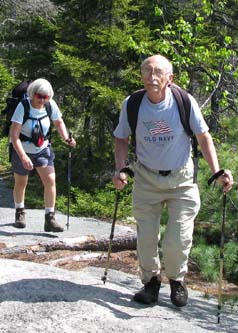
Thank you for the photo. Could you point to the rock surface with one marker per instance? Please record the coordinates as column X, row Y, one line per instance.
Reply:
column 39, row 298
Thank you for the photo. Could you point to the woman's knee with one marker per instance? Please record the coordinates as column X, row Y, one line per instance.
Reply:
column 49, row 181
column 47, row 176
column 20, row 181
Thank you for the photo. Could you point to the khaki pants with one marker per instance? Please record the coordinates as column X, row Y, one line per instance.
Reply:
column 151, row 192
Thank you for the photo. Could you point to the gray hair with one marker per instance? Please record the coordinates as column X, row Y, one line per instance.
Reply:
column 40, row 86
column 164, row 61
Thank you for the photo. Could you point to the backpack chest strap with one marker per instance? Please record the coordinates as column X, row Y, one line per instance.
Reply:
column 39, row 119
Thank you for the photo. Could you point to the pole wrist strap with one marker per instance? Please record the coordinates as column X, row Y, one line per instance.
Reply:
column 128, row 171
column 215, row 176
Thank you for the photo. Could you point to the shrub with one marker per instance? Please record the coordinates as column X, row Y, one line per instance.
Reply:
column 207, row 260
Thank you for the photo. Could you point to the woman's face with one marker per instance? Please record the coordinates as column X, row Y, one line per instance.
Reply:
column 38, row 101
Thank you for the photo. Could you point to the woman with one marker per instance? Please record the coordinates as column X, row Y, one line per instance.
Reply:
column 32, row 149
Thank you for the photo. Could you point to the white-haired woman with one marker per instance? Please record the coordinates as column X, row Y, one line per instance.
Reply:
column 31, row 149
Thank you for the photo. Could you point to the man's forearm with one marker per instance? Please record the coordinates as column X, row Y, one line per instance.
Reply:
column 121, row 153
column 209, row 152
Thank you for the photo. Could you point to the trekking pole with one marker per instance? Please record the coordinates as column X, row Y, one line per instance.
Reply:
column 104, row 277
column 210, row 181
column 130, row 173
column 69, row 179
column 221, row 258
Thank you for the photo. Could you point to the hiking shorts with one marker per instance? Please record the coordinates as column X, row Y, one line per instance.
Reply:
column 44, row 158
column 152, row 192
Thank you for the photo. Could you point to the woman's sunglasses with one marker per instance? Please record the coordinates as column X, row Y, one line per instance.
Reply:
column 39, row 96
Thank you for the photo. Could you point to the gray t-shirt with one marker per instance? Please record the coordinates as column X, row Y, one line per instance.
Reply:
column 161, row 142
column 27, row 127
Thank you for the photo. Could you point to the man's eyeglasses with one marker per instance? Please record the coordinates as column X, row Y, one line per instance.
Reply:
column 155, row 71
column 39, row 96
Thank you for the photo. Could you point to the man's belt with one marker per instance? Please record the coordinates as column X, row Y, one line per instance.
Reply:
column 164, row 172
column 159, row 172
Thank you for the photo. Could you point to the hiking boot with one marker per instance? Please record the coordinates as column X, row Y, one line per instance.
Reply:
column 149, row 293
column 179, row 293
column 20, row 218
column 51, row 224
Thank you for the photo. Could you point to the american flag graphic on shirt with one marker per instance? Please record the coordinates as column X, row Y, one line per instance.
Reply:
column 157, row 127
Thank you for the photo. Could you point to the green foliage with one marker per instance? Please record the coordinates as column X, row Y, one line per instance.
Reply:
column 91, row 52
column 99, row 204
column 4, row 160
column 231, row 261
column 206, row 258
column 6, row 82
column 34, row 192
column 33, row 38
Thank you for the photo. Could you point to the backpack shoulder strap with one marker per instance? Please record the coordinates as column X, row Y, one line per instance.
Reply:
column 184, row 106
column 133, row 105
column 48, row 109
column 49, row 113
column 26, row 106
column 181, row 97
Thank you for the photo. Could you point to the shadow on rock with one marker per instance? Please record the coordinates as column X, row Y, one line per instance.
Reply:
column 47, row 290
column 54, row 290
column 20, row 233
column 203, row 311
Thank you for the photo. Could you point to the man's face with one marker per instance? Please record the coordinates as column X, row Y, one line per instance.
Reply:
column 156, row 75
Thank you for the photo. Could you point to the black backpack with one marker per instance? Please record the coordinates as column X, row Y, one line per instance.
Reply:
column 184, row 106
column 19, row 95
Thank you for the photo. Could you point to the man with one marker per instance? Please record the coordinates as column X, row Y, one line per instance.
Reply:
column 164, row 176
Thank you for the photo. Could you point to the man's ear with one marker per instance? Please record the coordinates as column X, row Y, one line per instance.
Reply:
column 170, row 79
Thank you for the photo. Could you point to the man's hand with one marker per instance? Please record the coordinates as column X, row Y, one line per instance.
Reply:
column 120, row 177
column 226, row 180
column 119, row 180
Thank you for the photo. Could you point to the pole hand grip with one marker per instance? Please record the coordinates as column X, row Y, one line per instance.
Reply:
column 215, row 176
column 127, row 171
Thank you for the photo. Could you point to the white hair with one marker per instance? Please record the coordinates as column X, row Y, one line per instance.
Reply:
column 40, row 86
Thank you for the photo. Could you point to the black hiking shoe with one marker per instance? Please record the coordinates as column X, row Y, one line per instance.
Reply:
column 179, row 293
column 51, row 224
column 20, row 218
column 149, row 293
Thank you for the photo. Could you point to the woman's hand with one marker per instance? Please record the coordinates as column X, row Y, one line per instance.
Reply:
column 71, row 142
column 26, row 162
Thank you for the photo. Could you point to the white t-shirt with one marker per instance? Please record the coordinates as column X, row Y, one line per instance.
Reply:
column 161, row 141
column 27, row 127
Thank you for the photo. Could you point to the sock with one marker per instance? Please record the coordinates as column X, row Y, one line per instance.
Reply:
column 49, row 210
column 19, row 205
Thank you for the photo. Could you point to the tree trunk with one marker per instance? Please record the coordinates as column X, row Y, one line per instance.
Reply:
column 85, row 243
